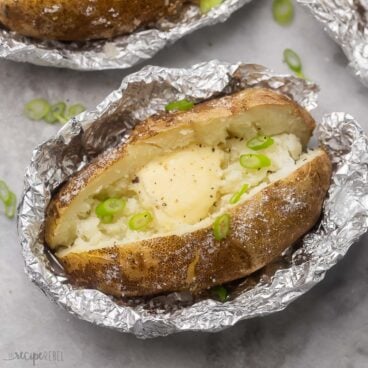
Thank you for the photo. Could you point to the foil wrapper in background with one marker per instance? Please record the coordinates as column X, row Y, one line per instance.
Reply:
column 142, row 94
column 347, row 22
column 118, row 53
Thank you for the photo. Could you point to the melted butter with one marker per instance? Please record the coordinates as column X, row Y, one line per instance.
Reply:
column 181, row 186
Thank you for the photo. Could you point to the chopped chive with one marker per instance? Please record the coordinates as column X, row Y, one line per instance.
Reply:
column 283, row 11
column 220, row 293
column 237, row 196
column 260, row 142
column 254, row 161
column 182, row 105
column 37, row 109
column 221, row 227
column 140, row 221
column 207, row 5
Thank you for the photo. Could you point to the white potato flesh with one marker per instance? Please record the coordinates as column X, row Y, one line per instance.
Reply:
column 185, row 190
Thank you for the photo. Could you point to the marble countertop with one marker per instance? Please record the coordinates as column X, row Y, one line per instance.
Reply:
column 328, row 327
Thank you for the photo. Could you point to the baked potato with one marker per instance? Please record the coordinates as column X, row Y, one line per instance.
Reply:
column 193, row 199
column 81, row 20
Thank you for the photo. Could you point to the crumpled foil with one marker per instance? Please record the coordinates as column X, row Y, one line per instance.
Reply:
column 118, row 53
column 347, row 23
column 344, row 220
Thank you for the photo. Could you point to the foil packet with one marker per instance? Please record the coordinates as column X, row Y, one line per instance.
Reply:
column 347, row 23
column 118, row 53
column 344, row 220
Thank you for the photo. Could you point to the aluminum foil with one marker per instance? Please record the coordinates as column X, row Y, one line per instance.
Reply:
column 118, row 53
column 347, row 22
column 142, row 94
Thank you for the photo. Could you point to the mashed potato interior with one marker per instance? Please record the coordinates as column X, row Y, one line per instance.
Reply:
column 184, row 190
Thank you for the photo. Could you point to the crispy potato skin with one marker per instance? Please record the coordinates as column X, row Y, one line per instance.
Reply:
column 261, row 228
column 227, row 106
column 80, row 20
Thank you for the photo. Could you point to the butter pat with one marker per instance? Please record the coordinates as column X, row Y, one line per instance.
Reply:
column 181, row 186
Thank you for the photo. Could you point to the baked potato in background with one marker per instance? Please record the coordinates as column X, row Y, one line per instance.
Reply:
column 81, row 20
column 182, row 171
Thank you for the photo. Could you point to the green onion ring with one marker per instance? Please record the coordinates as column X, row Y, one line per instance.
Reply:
column 61, row 118
column 50, row 118
column 207, row 5
column 220, row 293
column 140, row 221
column 294, row 62
column 56, row 109
column 260, row 142
column 283, row 11
column 182, row 105
column 108, row 219
column 37, row 109
column 221, row 227
column 254, row 161
column 108, row 208
column 74, row 110
column 11, row 206
column 5, row 196
column 237, row 196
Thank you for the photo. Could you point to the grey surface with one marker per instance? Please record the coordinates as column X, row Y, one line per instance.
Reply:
column 328, row 327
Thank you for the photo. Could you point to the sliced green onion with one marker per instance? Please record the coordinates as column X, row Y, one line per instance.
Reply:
column 61, row 118
column 37, row 109
column 5, row 196
column 74, row 110
column 294, row 62
column 9, row 200
column 221, row 227
column 11, row 206
column 140, row 221
column 50, row 118
column 237, row 196
column 283, row 11
column 207, row 5
column 292, row 59
column 57, row 109
column 221, row 293
column 107, row 209
column 260, row 142
column 254, row 161
column 300, row 75
column 182, row 105
column 108, row 219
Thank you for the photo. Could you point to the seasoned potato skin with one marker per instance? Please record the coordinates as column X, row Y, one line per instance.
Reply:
column 261, row 229
column 80, row 20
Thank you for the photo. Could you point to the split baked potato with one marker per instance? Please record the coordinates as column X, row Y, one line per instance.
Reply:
column 193, row 199
column 80, row 20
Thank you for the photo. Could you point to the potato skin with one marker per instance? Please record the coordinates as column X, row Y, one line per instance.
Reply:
column 80, row 20
column 261, row 228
